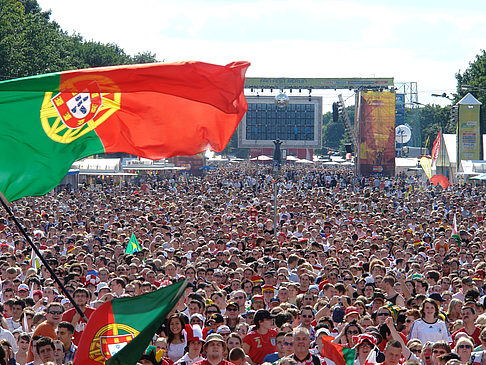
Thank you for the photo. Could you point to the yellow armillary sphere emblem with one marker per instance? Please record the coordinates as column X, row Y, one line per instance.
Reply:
column 110, row 339
column 67, row 116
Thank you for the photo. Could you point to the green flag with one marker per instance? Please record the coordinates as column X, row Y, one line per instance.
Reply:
column 120, row 330
column 133, row 245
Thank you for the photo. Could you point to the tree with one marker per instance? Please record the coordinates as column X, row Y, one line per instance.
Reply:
column 475, row 77
column 31, row 44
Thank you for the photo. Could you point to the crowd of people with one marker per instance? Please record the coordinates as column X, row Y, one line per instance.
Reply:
column 390, row 267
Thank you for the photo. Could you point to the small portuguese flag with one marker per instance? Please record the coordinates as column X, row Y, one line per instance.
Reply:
column 152, row 110
column 340, row 354
column 120, row 330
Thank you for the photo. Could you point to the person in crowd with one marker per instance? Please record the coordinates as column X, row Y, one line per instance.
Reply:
column 214, row 348
column 194, row 340
column 464, row 348
column 429, row 327
column 261, row 341
column 175, row 337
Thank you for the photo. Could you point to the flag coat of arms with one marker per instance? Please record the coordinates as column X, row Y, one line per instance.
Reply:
column 152, row 110
column 119, row 331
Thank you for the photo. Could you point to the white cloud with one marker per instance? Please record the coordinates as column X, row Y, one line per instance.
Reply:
column 410, row 41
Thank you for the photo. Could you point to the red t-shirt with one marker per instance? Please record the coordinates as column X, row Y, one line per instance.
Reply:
column 474, row 336
column 80, row 325
column 260, row 345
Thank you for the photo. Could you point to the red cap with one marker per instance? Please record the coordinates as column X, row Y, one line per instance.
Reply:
column 256, row 278
column 268, row 287
column 351, row 310
column 322, row 283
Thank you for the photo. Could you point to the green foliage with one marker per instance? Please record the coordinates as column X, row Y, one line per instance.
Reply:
column 31, row 44
column 333, row 134
column 475, row 77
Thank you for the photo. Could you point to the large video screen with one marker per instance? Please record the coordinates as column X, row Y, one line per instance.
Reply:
column 296, row 125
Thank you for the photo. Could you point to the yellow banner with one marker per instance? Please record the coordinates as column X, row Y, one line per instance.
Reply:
column 425, row 162
column 377, row 133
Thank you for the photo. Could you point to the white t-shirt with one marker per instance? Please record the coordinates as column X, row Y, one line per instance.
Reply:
column 431, row 332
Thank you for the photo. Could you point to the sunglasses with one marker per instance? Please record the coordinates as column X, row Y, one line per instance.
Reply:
column 355, row 332
column 464, row 347
column 231, row 309
column 382, row 314
column 307, row 316
column 288, row 344
column 438, row 352
column 238, row 298
column 55, row 312
column 416, row 351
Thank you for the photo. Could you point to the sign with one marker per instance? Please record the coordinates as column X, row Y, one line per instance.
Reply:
column 316, row 83
column 468, row 134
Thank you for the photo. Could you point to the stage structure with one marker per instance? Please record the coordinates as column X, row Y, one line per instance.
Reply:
column 299, row 123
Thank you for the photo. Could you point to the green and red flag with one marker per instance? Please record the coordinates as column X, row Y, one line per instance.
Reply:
column 340, row 354
column 133, row 245
column 152, row 110
column 120, row 330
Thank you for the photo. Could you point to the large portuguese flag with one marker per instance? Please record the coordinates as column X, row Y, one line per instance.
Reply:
column 120, row 330
column 152, row 110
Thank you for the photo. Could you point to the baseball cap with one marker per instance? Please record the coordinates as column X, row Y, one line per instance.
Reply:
column 351, row 310
column 216, row 317
column 23, row 287
column 437, row 297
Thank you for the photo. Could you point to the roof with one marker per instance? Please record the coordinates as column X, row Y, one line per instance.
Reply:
column 469, row 99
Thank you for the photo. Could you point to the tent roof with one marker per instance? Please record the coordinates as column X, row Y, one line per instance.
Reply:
column 469, row 99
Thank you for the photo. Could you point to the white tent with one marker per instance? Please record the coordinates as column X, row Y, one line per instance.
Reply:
column 292, row 158
column 261, row 158
column 304, row 161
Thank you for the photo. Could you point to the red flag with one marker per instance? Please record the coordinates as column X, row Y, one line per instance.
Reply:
column 435, row 149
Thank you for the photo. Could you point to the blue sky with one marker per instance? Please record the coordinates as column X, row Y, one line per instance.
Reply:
column 422, row 41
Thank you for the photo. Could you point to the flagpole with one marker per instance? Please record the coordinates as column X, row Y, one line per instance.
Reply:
column 39, row 254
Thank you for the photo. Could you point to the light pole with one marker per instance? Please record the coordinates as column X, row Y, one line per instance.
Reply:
column 281, row 100
column 277, row 159
column 443, row 95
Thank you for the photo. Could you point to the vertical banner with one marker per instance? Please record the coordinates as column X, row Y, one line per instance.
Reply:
column 376, row 133
column 435, row 148
column 468, row 134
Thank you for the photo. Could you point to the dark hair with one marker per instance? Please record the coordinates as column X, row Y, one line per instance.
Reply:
column 236, row 354
column 430, row 301
column 352, row 324
column 44, row 341
column 67, row 325
column 393, row 343
column 82, row 290
column 182, row 319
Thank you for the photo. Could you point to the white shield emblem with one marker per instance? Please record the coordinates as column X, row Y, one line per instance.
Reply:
column 80, row 105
